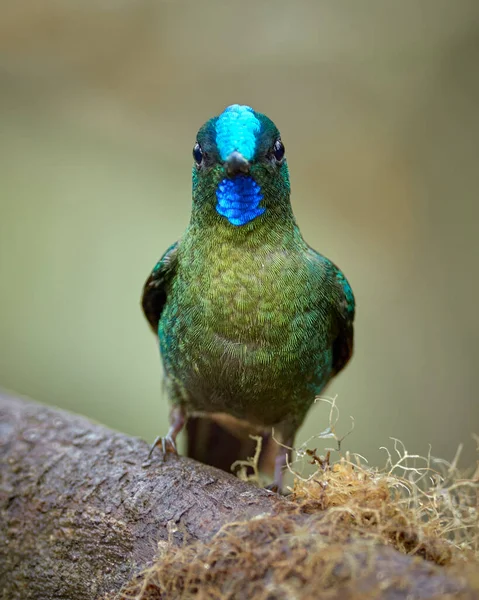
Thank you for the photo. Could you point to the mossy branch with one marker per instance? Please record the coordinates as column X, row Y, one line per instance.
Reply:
column 83, row 517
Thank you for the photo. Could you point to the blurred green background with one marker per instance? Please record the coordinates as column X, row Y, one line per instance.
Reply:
column 377, row 103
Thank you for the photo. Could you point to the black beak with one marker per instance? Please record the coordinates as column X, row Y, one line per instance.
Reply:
column 235, row 164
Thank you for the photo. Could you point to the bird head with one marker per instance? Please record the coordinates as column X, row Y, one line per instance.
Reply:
column 240, row 167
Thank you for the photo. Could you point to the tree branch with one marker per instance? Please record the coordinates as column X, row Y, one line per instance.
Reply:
column 82, row 513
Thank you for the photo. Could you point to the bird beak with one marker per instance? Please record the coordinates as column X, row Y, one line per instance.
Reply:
column 235, row 164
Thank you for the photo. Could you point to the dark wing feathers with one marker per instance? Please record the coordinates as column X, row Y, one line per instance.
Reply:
column 345, row 310
column 155, row 288
column 343, row 306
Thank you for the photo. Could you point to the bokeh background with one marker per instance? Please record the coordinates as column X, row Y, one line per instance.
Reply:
column 378, row 104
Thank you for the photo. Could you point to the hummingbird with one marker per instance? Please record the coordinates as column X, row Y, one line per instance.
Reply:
column 252, row 322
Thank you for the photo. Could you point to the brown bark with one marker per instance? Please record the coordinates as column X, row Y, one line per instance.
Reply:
column 82, row 513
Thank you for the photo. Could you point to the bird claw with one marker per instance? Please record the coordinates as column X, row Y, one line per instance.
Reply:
column 167, row 445
column 273, row 487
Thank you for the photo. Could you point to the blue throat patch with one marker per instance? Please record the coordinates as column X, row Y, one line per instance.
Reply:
column 236, row 129
column 238, row 199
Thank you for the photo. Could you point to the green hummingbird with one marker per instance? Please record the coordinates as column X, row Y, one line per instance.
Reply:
column 252, row 322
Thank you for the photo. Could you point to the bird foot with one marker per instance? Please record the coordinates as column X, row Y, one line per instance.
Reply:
column 167, row 445
column 168, row 441
column 272, row 487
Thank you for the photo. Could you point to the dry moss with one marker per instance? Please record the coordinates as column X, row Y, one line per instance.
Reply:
column 338, row 538
column 421, row 505
column 439, row 524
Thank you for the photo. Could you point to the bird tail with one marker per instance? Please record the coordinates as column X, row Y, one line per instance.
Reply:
column 216, row 442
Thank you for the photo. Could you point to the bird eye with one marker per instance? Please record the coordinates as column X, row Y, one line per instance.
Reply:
column 198, row 154
column 278, row 150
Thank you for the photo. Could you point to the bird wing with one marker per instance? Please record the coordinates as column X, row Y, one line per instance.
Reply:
column 156, row 286
column 343, row 309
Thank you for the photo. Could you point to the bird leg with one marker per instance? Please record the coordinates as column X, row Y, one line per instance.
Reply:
column 283, row 457
column 168, row 442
